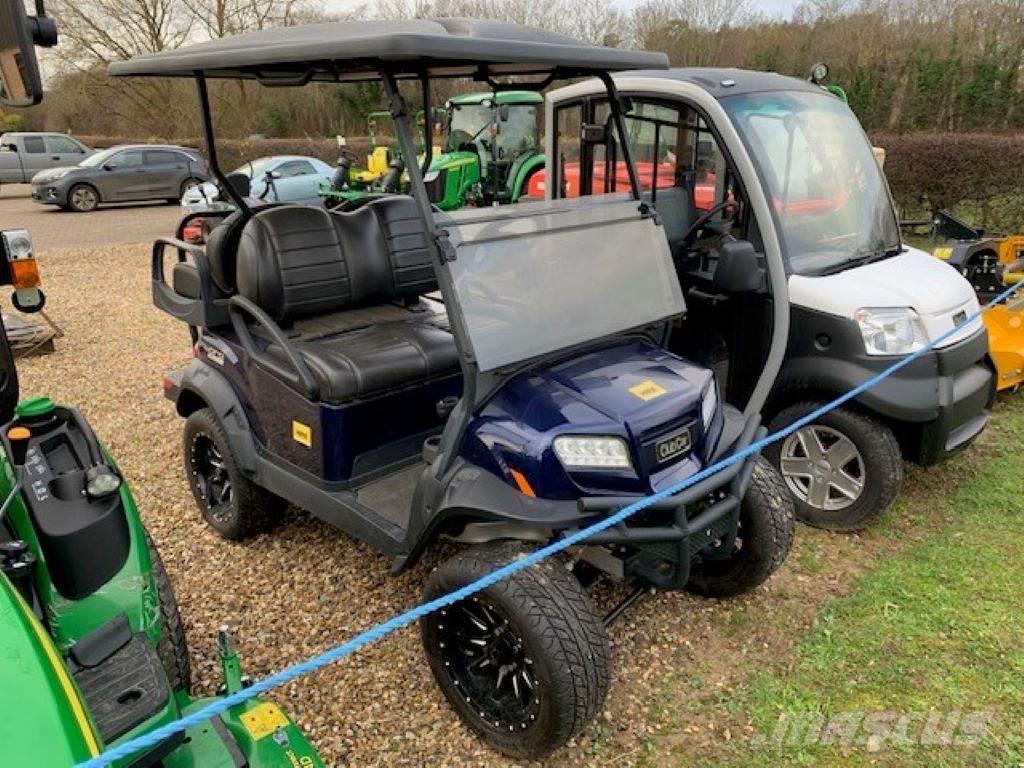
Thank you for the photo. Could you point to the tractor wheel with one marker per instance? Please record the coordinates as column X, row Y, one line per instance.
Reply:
column 233, row 505
column 172, row 648
column 526, row 662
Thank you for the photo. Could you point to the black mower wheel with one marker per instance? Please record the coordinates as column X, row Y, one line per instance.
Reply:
column 173, row 647
column 526, row 663
column 766, row 528
column 233, row 505
column 83, row 198
column 843, row 471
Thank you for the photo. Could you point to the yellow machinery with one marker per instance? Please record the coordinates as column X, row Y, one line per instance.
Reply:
column 990, row 263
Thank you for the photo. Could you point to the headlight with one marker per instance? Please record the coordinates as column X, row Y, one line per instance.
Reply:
column 18, row 243
column 890, row 330
column 57, row 174
column 592, row 452
column 709, row 404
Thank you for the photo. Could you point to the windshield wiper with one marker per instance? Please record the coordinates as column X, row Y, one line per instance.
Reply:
column 862, row 258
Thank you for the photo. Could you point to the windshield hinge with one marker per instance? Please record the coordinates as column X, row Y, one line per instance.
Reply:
column 648, row 211
column 444, row 245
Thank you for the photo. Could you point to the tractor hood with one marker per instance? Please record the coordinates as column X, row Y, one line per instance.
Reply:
column 44, row 722
column 634, row 391
column 915, row 279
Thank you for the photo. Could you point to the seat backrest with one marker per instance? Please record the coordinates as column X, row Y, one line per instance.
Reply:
column 221, row 248
column 301, row 261
column 377, row 162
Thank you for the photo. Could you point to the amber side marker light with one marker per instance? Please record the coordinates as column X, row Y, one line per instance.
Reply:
column 523, row 483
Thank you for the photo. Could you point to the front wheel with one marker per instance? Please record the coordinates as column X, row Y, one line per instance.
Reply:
column 83, row 198
column 233, row 505
column 843, row 470
column 172, row 648
column 526, row 662
column 763, row 539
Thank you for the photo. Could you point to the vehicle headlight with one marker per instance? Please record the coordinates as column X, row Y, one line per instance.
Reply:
column 891, row 330
column 709, row 404
column 592, row 452
column 58, row 174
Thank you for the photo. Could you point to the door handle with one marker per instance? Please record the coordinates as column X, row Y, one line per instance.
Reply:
column 55, row 157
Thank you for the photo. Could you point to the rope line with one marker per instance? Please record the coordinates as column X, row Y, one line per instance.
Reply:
column 373, row 634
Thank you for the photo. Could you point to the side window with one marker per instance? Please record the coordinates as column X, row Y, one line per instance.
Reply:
column 34, row 145
column 63, row 145
column 295, row 168
column 162, row 157
column 569, row 122
column 126, row 159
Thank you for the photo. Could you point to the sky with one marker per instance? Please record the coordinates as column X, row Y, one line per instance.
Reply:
column 780, row 8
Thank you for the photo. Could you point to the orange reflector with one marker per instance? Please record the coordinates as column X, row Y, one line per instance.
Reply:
column 24, row 273
column 523, row 483
column 18, row 433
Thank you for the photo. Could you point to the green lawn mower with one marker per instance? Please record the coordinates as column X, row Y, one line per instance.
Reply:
column 94, row 649
column 492, row 148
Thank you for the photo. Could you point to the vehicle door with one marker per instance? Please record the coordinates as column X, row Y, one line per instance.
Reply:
column 295, row 181
column 33, row 154
column 63, row 151
column 166, row 169
column 123, row 177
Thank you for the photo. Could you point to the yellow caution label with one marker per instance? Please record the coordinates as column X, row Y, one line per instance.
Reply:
column 647, row 390
column 302, row 433
column 943, row 253
column 263, row 720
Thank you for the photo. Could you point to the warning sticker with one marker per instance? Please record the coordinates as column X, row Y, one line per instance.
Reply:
column 263, row 720
column 302, row 433
column 647, row 390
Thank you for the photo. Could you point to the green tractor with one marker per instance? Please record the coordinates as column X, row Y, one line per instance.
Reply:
column 94, row 650
column 491, row 149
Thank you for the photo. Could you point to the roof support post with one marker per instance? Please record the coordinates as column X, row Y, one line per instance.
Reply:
column 615, row 105
column 211, row 148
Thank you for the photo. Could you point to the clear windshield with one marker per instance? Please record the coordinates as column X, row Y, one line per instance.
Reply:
column 826, row 191
column 256, row 168
column 94, row 161
column 469, row 122
column 518, row 133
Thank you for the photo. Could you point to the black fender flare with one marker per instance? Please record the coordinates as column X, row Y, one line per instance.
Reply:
column 203, row 386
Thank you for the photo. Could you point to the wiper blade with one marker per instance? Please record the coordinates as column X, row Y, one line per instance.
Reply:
column 862, row 258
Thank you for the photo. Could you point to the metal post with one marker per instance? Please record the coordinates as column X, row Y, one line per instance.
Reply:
column 620, row 125
column 211, row 148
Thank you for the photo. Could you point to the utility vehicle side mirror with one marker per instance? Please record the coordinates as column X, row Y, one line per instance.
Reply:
column 21, row 84
column 738, row 270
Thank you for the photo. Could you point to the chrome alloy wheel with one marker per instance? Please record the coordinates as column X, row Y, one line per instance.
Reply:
column 822, row 467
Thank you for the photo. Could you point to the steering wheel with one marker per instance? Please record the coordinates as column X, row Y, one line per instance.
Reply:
column 705, row 218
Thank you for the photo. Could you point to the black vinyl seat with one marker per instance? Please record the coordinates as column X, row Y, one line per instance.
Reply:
column 304, row 263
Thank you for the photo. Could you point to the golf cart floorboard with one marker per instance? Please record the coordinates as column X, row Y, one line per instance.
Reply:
column 391, row 496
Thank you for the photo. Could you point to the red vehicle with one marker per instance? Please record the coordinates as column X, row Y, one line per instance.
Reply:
column 704, row 193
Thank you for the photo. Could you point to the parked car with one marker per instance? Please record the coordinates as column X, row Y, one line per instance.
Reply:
column 23, row 155
column 277, row 178
column 120, row 174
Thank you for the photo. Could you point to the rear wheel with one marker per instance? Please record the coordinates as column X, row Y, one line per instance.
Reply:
column 172, row 648
column 843, row 470
column 526, row 662
column 763, row 539
column 233, row 505
column 83, row 198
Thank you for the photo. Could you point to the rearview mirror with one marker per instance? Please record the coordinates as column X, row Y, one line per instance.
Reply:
column 21, row 84
column 738, row 269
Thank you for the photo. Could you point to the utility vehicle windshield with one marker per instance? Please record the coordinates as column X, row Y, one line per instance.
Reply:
column 826, row 191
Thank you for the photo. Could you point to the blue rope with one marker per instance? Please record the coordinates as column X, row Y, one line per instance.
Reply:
column 155, row 737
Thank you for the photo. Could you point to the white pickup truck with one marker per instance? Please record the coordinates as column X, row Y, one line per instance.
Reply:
column 23, row 155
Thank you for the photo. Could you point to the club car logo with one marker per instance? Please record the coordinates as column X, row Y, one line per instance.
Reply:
column 672, row 446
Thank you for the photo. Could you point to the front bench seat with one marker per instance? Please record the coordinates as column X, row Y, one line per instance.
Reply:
column 298, row 262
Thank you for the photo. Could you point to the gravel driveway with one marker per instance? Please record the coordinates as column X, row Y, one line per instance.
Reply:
column 306, row 587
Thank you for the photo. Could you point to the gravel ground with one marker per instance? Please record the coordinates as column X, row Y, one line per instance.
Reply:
column 306, row 587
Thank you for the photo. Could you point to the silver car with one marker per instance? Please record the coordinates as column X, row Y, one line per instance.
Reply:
column 127, row 173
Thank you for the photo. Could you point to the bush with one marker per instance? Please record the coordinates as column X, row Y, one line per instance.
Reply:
column 976, row 174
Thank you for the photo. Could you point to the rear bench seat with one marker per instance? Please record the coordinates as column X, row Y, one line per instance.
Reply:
column 319, row 273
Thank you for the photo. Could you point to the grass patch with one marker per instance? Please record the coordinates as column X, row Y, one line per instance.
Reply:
column 930, row 633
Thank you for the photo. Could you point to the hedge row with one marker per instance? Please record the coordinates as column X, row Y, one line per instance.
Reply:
column 979, row 175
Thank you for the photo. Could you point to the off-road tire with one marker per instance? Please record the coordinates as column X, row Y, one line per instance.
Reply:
column 77, row 206
column 252, row 509
column 765, row 535
column 561, row 632
column 879, row 450
column 173, row 647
